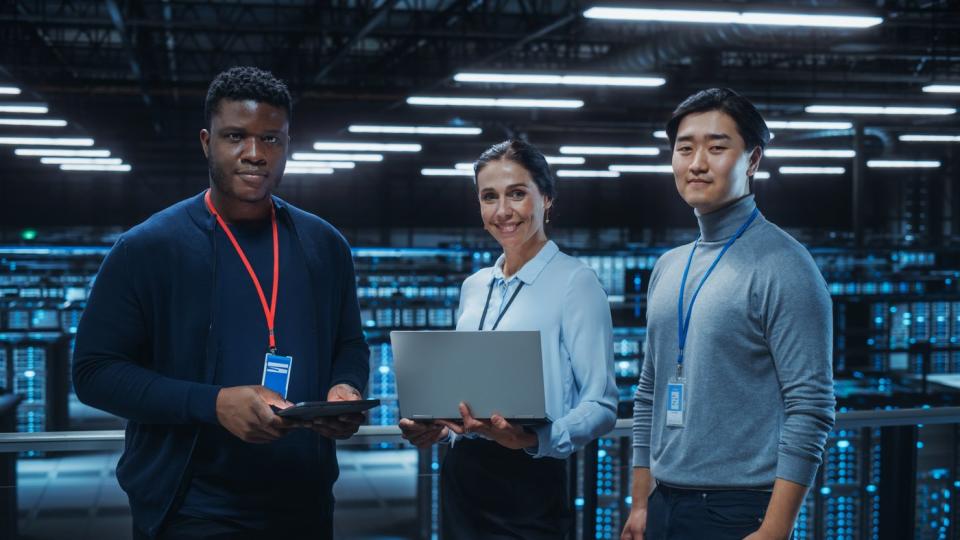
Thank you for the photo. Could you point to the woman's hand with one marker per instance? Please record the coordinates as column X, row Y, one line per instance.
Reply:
column 496, row 428
column 422, row 434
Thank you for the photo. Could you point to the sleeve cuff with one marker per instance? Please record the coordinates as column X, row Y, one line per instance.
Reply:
column 641, row 456
column 358, row 386
column 202, row 403
column 543, row 442
column 797, row 469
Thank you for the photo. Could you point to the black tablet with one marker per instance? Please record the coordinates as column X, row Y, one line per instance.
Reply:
column 308, row 410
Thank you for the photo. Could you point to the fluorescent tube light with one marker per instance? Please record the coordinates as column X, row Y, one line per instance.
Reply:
column 552, row 160
column 900, row 164
column 802, row 124
column 495, row 102
column 611, row 150
column 761, row 175
column 80, row 161
column 808, row 153
column 942, row 88
column 731, row 17
column 446, row 172
column 661, row 134
column 9, row 90
column 664, row 169
column 566, row 80
column 42, row 122
column 23, row 108
column 60, row 152
column 103, row 168
column 309, row 170
column 930, row 138
column 869, row 109
column 566, row 160
column 366, row 147
column 812, row 170
column 46, row 141
column 416, row 130
column 324, row 164
column 313, row 156
column 570, row 173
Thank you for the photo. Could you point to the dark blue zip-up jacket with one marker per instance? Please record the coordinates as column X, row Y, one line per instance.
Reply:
column 146, row 349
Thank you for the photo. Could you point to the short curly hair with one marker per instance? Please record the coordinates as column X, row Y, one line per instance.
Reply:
column 245, row 82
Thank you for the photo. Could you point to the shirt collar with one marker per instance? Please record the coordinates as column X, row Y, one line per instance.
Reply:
column 529, row 272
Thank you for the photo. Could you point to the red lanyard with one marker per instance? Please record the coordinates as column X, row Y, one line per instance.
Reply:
column 270, row 311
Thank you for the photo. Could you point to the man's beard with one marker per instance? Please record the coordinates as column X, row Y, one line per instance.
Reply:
column 221, row 182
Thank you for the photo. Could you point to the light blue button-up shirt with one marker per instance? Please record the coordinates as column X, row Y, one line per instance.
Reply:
column 562, row 298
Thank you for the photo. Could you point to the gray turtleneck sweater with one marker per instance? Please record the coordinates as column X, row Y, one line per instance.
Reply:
column 757, row 362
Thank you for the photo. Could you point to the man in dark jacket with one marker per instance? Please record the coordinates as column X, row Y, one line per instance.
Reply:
column 186, row 312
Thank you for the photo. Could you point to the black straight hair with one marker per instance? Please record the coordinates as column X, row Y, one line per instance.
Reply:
column 245, row 82
column 527, row 156
column 750, row 124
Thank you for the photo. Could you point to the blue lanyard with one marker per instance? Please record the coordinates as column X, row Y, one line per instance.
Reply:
column 684, row 323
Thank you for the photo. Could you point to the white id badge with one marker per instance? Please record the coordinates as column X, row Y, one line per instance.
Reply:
column 276, row 373
column 675, row 402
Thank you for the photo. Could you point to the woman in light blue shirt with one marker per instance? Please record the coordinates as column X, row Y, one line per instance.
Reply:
column 501, row 480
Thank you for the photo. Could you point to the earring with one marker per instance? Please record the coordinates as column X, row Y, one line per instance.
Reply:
column 547, row 216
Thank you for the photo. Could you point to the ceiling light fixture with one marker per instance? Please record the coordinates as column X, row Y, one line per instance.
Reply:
column 803, row 124
column 901, row 164
column 660, row 169
column 731, row 17
column 930, row 138
column 446, row 172
column 367, row 147
column 812, row 170
column 9, row 90
column 877, row 110
column 103, row 168
column 46, row 141
column 312, row 156
column 942, row 88
column 566, row 80
column 611, row 150
column 415, row 130
column 23, row 108
column 570, row 173
column 808, row 153
column 60, row 152
column 495, row 102
column 322, row 164
column 40, row 122
column 80, row 161
column 309, row 170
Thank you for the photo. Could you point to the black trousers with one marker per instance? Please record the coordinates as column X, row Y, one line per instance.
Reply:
column 681, row 514
column 182, row 527
column 491, row 492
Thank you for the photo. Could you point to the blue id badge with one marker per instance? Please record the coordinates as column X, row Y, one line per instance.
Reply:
column 276, row 373
column 675, row 402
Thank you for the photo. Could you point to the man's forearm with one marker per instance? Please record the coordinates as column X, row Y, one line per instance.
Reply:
column 783, row 508
column 642, row 487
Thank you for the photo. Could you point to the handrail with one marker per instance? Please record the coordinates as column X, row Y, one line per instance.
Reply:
column 53, row 441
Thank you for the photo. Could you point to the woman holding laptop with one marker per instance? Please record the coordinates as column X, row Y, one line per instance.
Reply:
column 501, row 480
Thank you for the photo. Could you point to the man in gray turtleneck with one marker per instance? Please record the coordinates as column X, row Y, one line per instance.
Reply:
column 735, row 399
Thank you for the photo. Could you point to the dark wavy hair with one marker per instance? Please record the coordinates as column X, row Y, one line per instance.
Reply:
column 241, row 83
column 527, row 156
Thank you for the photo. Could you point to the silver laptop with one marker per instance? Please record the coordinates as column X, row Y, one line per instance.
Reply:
column 492, row 372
